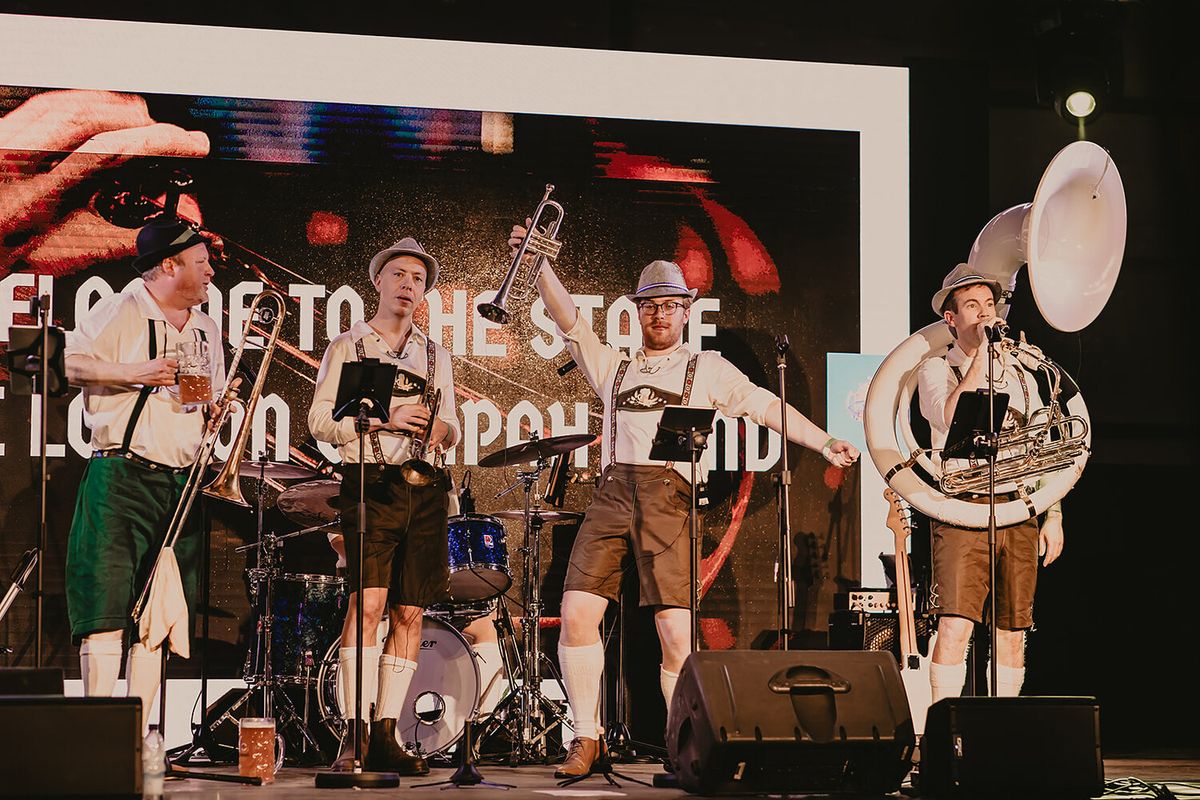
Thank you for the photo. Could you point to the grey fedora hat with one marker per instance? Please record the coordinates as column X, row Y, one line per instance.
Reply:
column 408, row 246
column 662, row 279
column 962, row 275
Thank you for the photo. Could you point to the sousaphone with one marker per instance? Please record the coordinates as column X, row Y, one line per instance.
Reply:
column 1072, row 236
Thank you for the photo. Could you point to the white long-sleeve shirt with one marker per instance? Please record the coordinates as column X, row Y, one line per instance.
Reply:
column 116, row 331
column 650, row 383
column 408, row 388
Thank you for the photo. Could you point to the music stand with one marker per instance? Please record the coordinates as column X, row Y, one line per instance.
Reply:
column 36, row 362
column 683, row 434
column 974, row 433
column 364, row 391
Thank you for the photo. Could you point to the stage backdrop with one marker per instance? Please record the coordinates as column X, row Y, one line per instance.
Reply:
column 767, row 214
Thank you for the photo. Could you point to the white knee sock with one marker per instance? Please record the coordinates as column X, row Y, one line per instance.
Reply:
column 143, row 674
column 1008, row 680
column 395, row 675
column 346, row 677
column 491, row 678
column 667, row 681
column 100, row 661
column 582, row 671
column 946, row 680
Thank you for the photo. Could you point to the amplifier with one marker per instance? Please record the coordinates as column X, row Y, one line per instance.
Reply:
column 869, row 630
column 865, row 600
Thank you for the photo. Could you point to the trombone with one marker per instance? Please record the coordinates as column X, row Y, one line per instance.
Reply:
column 521, row 276
column 226, row 485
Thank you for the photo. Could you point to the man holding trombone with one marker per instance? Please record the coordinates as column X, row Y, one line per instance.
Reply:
column 145, row 436
column 405, row 556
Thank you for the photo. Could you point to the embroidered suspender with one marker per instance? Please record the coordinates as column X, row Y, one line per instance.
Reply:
column 689, row 379
column 143, row 393
column 430, row 371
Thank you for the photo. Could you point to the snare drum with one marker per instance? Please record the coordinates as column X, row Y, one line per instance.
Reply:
column 478, row 558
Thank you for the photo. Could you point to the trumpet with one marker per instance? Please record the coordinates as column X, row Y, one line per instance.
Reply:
column 416, row 471
column 226, row 485
column 521, row 276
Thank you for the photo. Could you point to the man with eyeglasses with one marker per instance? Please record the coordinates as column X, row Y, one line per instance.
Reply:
column 640, row 511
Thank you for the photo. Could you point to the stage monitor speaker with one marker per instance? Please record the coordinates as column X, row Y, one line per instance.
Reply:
column 70, row 746
column 813, row 721
column 980, row 747
column 31, row 680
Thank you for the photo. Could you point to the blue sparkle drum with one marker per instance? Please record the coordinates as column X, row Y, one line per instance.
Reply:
column 478, row 558
column 306, row 616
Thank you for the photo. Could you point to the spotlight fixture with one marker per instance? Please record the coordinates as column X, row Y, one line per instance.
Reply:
column 1078, row 59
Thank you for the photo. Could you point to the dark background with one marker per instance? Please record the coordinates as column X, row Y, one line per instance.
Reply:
column 1114, row 617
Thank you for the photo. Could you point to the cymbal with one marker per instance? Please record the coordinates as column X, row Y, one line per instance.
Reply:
column 278, row 470
column 312, row 503
column 538, row 448
column 544, row 514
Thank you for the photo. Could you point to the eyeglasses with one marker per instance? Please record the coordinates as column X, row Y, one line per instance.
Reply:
column 669, row 308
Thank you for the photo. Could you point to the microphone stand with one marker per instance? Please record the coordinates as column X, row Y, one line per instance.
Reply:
column 358, row 375
column 993, row 335
column 783, row 482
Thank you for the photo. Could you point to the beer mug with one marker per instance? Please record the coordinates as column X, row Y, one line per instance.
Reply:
column 260, row 749
column 195, row 374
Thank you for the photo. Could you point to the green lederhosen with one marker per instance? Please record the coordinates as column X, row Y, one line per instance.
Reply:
column 121, row 516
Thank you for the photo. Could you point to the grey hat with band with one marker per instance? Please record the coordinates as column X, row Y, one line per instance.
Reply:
column 961, row 276
column 662, row 279
column 408, row 246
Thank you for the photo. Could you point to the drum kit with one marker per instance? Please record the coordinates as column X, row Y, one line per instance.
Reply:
column 298, row 620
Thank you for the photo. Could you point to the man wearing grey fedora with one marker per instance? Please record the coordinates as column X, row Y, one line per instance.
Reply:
column 961, row 573
column 405, row 553
column 642, row 507
column 144, row 440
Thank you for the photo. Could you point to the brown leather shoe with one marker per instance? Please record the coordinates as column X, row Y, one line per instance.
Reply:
column 345, row 760
column 581, row 755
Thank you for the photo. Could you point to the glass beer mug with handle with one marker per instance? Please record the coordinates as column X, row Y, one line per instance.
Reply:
column 260, row 749
column 195, row 374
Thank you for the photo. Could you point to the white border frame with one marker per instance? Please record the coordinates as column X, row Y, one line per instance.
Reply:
column 287, row 65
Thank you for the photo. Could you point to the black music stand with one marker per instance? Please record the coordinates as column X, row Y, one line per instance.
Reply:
column 974, row 433
column 682, row 435
column 786, row 598
column 364, row 391
column 36, row 361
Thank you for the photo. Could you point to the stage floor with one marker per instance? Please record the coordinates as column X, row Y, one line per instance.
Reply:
column 296, row 782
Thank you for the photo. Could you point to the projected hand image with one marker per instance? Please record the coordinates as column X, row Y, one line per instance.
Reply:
column 49, row 146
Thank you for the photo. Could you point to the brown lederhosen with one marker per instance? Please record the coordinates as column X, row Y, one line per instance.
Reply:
column 960, row 565
column 639, row 514
column 406, row 547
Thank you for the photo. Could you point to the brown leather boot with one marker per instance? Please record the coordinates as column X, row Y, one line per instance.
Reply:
column 386, row 754
column 581, row 755
column 345, row 760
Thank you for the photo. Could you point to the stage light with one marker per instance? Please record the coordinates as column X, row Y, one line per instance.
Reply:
column 1081, row 104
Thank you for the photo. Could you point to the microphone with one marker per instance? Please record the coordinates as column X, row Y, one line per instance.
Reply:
column 781, row 343
column 567, row 367
column 996, row 331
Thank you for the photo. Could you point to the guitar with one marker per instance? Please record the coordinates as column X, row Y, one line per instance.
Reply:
column 914, row 668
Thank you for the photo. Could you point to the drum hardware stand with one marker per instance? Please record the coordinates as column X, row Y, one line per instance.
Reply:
column 537, row 714
column 467, row 773
column 364, row 391
column 619, row 741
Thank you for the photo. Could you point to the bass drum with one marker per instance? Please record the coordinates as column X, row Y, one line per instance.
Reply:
column 443, row 694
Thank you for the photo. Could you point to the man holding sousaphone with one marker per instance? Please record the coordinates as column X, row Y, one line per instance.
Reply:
column 961, row 573
column 147, row 415
column 640, row 513
column 406, row 558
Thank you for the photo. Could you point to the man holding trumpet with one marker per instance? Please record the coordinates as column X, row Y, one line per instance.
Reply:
column 640, row 512
column 145, row 436
column 405, row 556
